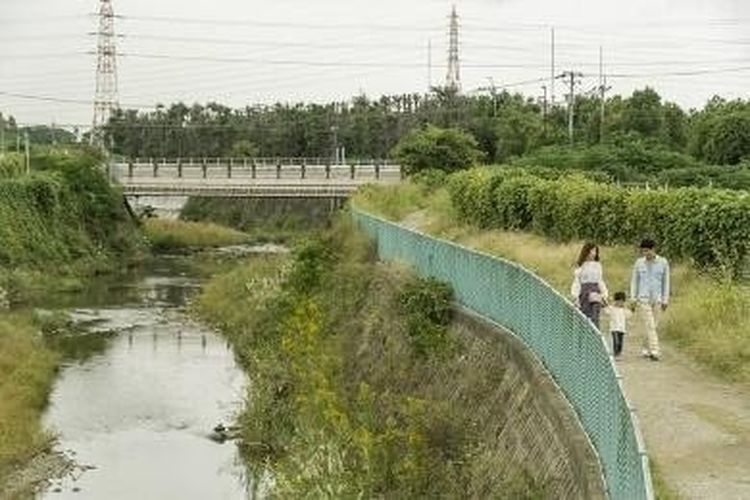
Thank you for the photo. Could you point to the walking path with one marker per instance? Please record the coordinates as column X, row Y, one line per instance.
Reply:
column 696, row 427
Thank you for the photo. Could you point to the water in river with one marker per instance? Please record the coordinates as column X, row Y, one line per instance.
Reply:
column 136, row 406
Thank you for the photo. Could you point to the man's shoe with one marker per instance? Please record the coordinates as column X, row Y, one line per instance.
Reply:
column 654, row 357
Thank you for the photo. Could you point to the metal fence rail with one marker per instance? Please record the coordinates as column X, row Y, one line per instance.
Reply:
column 568, row 345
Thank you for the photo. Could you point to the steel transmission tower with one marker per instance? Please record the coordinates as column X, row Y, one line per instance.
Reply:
column 453, row 77
column 105, row 100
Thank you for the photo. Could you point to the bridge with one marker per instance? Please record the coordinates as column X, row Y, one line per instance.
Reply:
column 249, row 177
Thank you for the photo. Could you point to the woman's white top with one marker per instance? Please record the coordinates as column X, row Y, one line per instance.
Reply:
column 589, row 272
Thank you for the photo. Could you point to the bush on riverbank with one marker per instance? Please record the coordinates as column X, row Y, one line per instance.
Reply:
column 707, row 318
column 264, row 219
column 63, row 217
column 346, row 400
column 176, row 234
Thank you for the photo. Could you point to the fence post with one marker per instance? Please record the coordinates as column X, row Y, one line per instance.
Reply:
column 179, row 168
column 328, row 170
column 302, row 168
column 130, row 169
column 229, row 168
column 204, row 167
column 252, row 168
column 352, row 169
column 278, row 169
column 156, row 167
column 377, row 170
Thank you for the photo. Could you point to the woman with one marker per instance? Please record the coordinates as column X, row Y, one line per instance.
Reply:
column 588, row 289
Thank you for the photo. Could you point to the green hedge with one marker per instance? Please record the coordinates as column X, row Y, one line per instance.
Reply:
column 11, row 165
column 709, row 226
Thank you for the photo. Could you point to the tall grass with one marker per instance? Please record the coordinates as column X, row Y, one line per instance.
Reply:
column 172, row 234
column 27, row 370
column 346, row 401
column 707, row 318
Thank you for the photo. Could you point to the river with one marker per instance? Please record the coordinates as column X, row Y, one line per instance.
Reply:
column 140, row 392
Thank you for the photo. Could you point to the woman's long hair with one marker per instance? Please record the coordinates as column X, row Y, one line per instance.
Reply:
column 584, row 255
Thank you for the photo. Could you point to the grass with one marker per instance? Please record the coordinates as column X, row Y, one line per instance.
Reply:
column 176, row 234
column 27, row 370
column 343, row 399
column 707, row 318
column 662, row 491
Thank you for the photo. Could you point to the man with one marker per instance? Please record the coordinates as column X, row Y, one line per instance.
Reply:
column 649, row 288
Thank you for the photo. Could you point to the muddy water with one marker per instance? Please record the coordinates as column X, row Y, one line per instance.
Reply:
column 140, row 393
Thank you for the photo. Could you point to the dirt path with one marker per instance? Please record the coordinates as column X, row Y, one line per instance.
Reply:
column 696, row 427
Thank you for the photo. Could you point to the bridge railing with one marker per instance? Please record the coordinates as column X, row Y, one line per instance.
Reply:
column 568, row 344
column 255, row 168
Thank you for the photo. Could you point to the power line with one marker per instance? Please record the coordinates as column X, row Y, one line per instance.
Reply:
column 681, row 73
column 278, row 24
column 62, row 100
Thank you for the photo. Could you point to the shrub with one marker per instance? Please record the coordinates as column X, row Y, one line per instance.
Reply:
column 11, row 165
column 427, row 304
column 436, row 148
column 709, row 226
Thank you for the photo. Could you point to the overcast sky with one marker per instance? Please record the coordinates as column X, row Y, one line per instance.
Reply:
column 241, row 52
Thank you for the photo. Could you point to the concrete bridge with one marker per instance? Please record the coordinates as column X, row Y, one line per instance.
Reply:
column 249, row 177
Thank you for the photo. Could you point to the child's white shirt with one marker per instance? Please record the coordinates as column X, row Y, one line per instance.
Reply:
column 618, row 318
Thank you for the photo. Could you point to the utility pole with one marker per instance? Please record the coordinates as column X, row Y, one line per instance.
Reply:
column 493, row 92
column 335, row 139
column 570, row 77
column 453, row 77
column 2, row 133
column 429, row 65
column 552, row 66
column 602, row 94
column 105, row 100
column 544, row 109
column 28, row 156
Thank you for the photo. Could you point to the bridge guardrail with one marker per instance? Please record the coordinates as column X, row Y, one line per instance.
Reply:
column 567, row 344
column 254, row 168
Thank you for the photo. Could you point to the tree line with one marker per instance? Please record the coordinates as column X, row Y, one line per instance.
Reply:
column 505, row 125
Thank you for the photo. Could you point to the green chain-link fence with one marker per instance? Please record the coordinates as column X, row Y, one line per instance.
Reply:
column 568, row 345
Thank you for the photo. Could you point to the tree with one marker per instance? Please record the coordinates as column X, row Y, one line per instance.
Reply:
column 643, row 113
column 244, row 149
column 729, row 138
column 675, row 128
column 518, row 132
column 437, row 148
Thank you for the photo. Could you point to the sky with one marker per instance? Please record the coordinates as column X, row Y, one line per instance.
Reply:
column 245, row 52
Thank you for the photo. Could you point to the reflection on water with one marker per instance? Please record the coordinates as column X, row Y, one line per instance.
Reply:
column 141, row 402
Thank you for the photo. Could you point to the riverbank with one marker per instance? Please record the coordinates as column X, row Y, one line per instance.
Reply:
column 60, row 226
column 364, row 385
column 27, row 370
column 170, row 235
column 275, row 220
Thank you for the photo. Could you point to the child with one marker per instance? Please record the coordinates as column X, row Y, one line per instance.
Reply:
column 618, row 318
